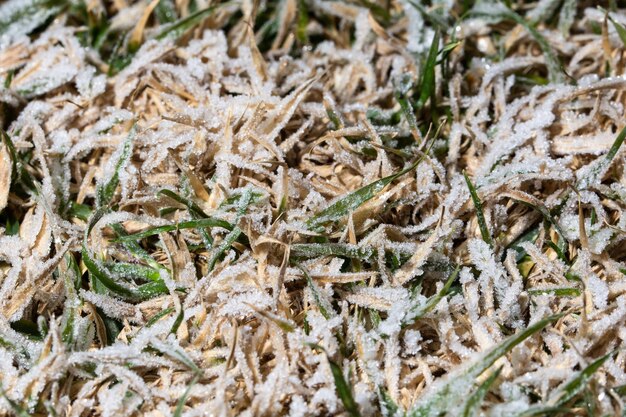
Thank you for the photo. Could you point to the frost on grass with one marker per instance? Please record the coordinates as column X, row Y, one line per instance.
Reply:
column 260, row 208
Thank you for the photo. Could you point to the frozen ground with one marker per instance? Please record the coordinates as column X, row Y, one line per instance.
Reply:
column 312, row 208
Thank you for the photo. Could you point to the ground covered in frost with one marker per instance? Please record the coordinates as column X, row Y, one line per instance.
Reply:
column 304, row 208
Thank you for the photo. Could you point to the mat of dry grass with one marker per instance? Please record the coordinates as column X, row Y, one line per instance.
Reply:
column 312, row 207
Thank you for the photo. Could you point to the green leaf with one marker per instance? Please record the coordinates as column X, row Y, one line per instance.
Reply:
column 180, row 405
column 303, row 22
column 577, row 383
column 165, row 11
column 402, row 93
column 80, row 211
column 480, row 216
column 434, row 18
column 18, row 167
column 418, row 311
column 26, row 16
column 158, row 316
column 313, row 250
column 244, row 202
column 448, row 394
column 142, row 292
column 427, row 85
column 529, row 236
column 106, row 191
column 343, row 390
column 133, row 247
column 560, row 292
column 474, row 401
column 600, row 164
column 191, row 206
column 567, row 16
column 178, row 28
column 621, row 31
column 316, row 295
column 501, row 12
column 189, row 224
column 387, row 404
column 101, row 274
column 355, row 199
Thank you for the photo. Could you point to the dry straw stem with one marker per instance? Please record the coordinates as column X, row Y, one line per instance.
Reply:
column 312, row 208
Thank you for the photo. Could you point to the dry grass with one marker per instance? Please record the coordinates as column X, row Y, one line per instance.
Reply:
column 312, row 208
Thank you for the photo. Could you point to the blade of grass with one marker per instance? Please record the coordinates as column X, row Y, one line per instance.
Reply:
column 621, row 31
column 427, row 85
column 577, row 383
column 387, row 404
column 446, row 395
column 502, row 12
column 166, row 12
column 106, row 191
column 315, row 291
column 29, row 16
column 178, row 28
column 158, row 316
column 180, row 405
column 480, row 216
column 189, row 224
column 191, row 206
column 401, row 93
column 343, row 390
column 133, row 247
column 475, row 400
column 421, row 310
column 560, row 292
column 434, row 18
column 355, row 199
column 314, row 250
column 234, row 234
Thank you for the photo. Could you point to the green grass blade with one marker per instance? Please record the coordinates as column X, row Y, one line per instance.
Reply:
column 616, row 145
column 343, row 390
column 189, row 224
column 106, row 191
column 621, row 31
column 29, row 16
column 158, row 316
column 191, row 206
column 422, row 309
column 133, row 271
column 478, row 205
column 313, row 250
column 178, row 28
column 475, row 400
column 559, row 292
column 599, row 165
column 315, row 291
column 387, row 404
column 178, row 412
column 434, row 18
column 133, row 247
column 427, row 86
column 501, row 12
column 451, row 392
column 303, row 22
column 354, row 200
column 568, row 391
column 165, row 11
column 98, row 273
column 244, row 202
